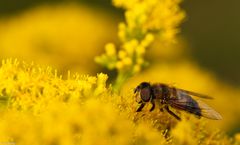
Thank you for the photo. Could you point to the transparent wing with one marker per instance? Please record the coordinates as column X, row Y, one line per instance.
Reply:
column 185, row 102
column 208, row 112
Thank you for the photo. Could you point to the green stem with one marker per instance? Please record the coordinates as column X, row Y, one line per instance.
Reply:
column 120, row 80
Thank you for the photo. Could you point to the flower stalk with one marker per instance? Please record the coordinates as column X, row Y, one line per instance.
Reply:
column 144, row 20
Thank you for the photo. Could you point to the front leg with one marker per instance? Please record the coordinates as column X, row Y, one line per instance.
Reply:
column 153, row 105
column 140, row 107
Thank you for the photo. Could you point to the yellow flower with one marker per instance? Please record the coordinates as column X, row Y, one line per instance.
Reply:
column 127, row 61
column 184, row 134
column 83, row 110
column 140, row 50
column 77, row 110
column 119, row 65
column 110, row 49
column 122, row 54
column 143, row 21
column 130, row 46
column 136, row 68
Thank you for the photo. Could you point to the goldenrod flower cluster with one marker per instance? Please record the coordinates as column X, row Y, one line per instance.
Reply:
column 50, row 110
column 145, row 20
column 39, row 107
column 143, row 16
column 27, row 86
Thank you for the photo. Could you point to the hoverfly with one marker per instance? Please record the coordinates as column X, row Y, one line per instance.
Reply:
column 176, row 98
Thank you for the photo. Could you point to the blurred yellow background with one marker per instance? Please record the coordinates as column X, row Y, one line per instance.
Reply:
column 66, row 36
column 69, row 34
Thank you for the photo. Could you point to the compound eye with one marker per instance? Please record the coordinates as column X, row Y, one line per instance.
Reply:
column 145, row 94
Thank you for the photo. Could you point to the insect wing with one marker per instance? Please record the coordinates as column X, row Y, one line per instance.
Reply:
column 194, row 94
column 185, row 102
column 208, row 112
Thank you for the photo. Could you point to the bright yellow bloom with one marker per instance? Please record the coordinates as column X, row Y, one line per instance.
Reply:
column 144, row 19
column 136, row 68
column 140, row 51
column 127, row 61
column 39, row 106
column 110, row 49
column 122, row 54
column 78, row 110
column 184, row 134
column 83, row 110
column 119, row 65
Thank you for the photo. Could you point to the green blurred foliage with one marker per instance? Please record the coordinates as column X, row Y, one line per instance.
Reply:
column 212, row 29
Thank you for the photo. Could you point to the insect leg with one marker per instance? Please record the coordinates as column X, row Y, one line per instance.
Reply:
column 140, row 107
column 173, row 114
column 153, row 105
column 161, row 109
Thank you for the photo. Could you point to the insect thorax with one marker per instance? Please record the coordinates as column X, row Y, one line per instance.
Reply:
column 161, row 91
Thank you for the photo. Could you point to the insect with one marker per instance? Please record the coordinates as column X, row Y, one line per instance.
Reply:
column 176, row 98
